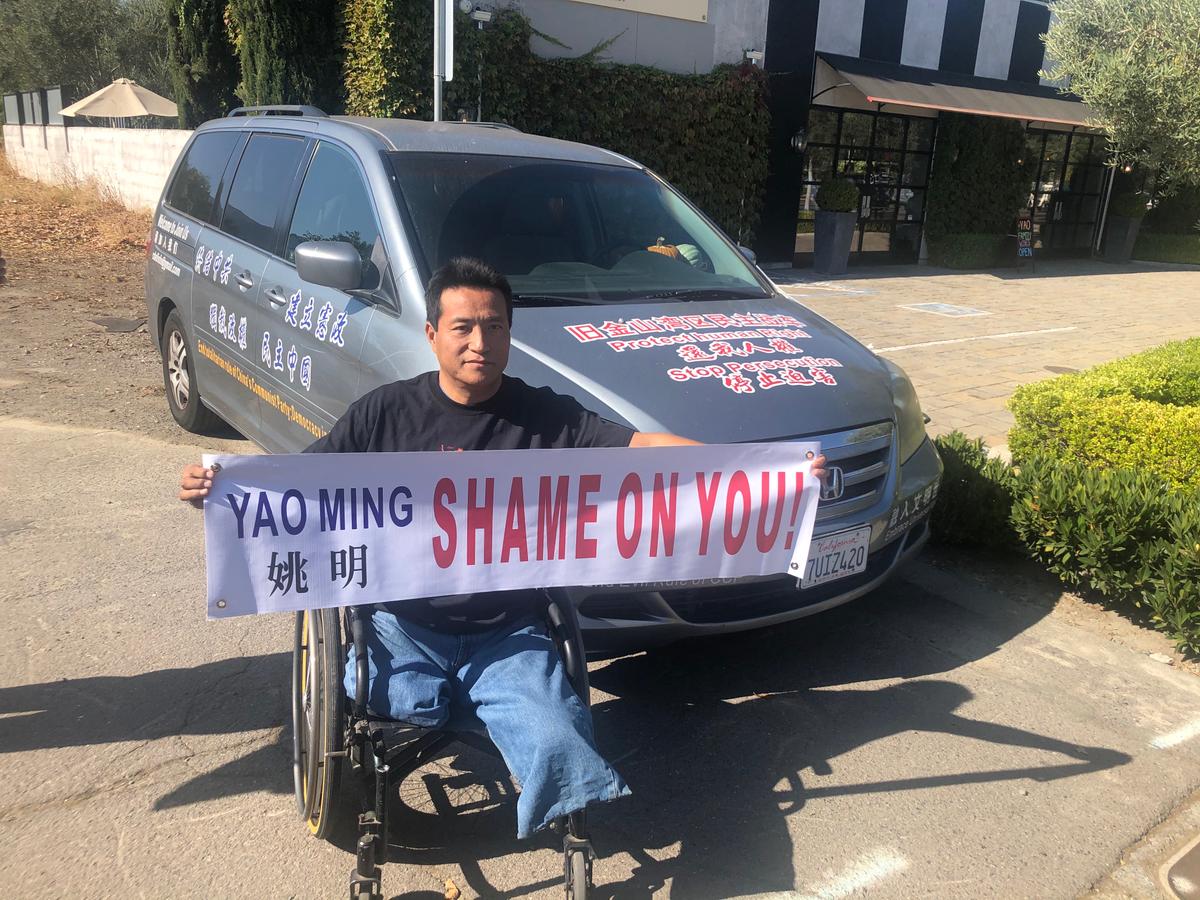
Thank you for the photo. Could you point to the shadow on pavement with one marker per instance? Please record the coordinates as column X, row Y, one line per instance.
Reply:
column 723, row 739
column 715, row 737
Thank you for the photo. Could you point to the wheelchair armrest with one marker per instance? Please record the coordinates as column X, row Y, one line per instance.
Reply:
column 358, row 634
column 560, row 612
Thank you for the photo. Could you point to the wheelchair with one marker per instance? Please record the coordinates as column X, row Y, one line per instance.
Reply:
column 347, row 764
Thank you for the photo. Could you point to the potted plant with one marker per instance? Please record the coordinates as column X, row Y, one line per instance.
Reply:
column 838, row 199
column 1125, row 214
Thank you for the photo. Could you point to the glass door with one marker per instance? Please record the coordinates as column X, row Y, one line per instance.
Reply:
column 1066, row 190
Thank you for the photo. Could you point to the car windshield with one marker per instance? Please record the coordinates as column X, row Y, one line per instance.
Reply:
column 565, row 232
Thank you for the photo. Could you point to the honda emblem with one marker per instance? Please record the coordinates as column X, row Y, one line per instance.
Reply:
column 834, row 484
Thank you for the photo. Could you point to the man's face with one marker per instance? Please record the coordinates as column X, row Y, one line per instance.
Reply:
column 471, row 339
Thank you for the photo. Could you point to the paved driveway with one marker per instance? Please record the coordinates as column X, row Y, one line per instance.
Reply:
column 1020, row 326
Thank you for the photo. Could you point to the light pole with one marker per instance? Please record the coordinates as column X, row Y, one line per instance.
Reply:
column 443, row 51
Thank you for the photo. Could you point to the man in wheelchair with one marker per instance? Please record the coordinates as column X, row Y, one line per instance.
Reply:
column 451, row 663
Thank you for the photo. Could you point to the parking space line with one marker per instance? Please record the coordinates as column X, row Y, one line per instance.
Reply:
column 978, row 337
column 1178, row 736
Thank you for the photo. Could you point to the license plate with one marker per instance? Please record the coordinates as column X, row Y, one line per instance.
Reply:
column 834, row 556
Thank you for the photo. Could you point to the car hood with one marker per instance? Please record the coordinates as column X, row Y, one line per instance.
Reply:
column 717, row 371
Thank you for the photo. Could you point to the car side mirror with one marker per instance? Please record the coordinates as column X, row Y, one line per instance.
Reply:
column 334, row 264
column 749, row 254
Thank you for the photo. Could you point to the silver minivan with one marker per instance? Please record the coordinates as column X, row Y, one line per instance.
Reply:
column 287, row 262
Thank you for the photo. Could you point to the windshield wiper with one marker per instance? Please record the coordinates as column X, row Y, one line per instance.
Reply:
column 682, row 293
column 554, row 299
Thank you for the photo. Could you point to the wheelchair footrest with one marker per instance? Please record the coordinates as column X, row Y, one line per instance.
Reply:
column 365, row 880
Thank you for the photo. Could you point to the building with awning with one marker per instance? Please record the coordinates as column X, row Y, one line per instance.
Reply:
column 875, row 122
column 856, row 89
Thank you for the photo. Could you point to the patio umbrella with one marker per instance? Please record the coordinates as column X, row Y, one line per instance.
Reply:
column 122, row 99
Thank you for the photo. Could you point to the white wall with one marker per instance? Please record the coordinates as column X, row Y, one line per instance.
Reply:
column 131, row 163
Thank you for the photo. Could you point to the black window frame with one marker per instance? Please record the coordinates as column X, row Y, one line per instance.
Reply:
column 1062, row 235
column 384, row 295
column 216, row 207
column 289, row 197
column 870, row 151
column 294, row 200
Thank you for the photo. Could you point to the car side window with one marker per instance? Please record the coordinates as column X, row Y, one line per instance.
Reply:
column 195, row 183
column 261, row 184
column 334, row 205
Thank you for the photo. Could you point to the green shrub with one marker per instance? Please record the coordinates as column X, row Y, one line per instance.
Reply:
column 1141, row 411
column 1173, row 248
column 1122, row 533
column 1131, row 205
column 1175, row 213
column 981, row 178
column 707, row 134
column 969, row 251
column 289, row 51
column 838, row 195
column 976, row 495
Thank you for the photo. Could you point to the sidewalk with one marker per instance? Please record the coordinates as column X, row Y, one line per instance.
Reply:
column 1010, row 327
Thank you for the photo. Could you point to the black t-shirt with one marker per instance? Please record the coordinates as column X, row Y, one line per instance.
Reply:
column 416, row 415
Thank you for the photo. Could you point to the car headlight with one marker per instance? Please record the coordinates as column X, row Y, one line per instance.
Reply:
column 910, row 421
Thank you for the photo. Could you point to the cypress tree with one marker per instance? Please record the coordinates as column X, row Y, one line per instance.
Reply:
column 204, row 69
column 290, row 51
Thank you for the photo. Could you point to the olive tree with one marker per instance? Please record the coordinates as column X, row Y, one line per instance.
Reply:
column 1137, row 64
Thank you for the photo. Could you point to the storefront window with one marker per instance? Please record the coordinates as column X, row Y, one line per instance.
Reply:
column 888, row 157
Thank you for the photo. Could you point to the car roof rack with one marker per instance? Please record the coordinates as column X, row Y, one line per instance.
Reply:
column 503, row 125
column 280, row 110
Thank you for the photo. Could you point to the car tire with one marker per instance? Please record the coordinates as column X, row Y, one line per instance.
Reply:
column 179, row 379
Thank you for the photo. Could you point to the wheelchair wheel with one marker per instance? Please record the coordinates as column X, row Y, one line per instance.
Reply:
column 577, row 875
column 318, row 710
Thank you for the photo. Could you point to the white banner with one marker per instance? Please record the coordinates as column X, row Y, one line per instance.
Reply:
column 291, row 532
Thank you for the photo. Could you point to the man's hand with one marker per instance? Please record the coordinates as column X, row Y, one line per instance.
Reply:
column 818, row 468
column 194, row 484
column 660, row 439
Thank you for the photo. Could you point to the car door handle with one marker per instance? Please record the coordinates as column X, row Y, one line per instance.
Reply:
column 244, row 279
column 275, row 296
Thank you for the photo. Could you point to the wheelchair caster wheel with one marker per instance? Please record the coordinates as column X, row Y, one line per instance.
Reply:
column 577, row 863
column 578, row 875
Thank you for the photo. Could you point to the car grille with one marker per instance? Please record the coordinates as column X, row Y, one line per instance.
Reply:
column 768, row 598
column 864, row 455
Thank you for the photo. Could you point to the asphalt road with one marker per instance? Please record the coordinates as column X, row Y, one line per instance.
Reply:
column 960, row 733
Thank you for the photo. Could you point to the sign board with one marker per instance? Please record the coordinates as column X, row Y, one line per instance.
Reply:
column 692, row 10
column 303, row 531
column 1025, row 234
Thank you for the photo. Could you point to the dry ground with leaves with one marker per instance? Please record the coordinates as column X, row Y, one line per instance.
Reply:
column 74, row 256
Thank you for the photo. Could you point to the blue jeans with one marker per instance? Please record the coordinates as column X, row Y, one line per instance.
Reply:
column 511, row 680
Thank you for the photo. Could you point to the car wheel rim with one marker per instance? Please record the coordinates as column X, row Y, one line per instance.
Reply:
column 177, row 371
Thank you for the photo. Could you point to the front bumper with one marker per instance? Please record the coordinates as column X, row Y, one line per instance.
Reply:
column 625, row 618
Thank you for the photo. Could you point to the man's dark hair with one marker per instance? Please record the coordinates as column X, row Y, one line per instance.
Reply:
column 465, row 271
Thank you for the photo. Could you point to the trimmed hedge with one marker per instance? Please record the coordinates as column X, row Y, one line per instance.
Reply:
column 970, row 251
column 838, row 195
column 1173, row 248
column 1106, row 487
column 1132, row 205
column 1143, row 410
column 1123, row 533
column 706, row 134
column 975, row 497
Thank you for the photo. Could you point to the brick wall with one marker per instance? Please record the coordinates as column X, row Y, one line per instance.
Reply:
column 130, row 163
